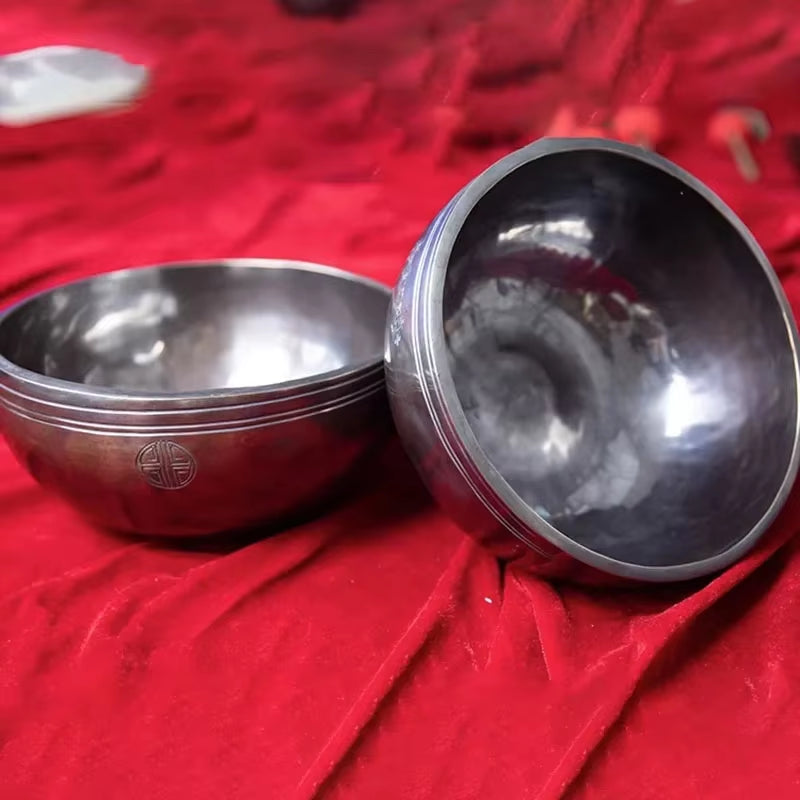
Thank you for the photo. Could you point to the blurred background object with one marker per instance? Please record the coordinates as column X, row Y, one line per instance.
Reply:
column 329, row 8
column 736, row 128
column 60, row 81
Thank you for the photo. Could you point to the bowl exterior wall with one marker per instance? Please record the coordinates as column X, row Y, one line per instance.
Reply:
column 426, row 429
column 184, row 479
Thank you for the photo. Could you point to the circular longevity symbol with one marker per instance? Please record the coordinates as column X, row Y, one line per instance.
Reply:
column 166, row 465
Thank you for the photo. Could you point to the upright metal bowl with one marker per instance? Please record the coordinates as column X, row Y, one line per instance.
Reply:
column 188, row 399
column 589, row 354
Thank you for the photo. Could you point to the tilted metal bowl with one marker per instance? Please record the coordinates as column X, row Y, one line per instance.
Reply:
column 188, row 399
column 589, row 354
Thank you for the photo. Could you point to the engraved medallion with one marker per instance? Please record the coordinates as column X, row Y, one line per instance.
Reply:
column 166, row 465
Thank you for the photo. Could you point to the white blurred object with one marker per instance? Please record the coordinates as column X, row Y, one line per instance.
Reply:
column 63, row 81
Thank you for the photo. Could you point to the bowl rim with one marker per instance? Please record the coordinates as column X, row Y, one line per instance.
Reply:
column 97, row 396
column 445, row 388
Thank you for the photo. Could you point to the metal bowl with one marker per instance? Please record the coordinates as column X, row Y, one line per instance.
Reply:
column 188, row 399
column 589, row 354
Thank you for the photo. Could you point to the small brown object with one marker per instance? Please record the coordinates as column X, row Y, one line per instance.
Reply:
column 640, row 125
column 734, row 127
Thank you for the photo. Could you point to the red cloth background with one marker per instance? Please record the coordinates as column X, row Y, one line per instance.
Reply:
column 375, row 652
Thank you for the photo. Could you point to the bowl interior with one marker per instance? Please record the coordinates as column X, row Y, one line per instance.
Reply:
column 198, row 327
column 622, row 357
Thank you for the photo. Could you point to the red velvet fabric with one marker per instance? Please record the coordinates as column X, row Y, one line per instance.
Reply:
column 375, row 652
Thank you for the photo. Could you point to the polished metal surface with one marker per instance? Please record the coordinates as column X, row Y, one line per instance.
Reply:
column 194, row 398
column 587, row 350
